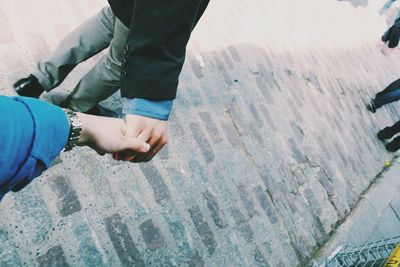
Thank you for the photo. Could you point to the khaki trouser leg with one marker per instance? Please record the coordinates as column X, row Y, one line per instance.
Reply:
column 88, row 39
column 104, row 78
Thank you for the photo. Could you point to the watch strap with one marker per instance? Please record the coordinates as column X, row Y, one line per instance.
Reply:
column 75, row 129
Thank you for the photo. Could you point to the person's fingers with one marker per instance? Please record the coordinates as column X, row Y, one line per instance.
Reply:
column 153, row 151
column 101, row 153
column 135, row 145
column 129, row 155
column 116, row 156
column 157, row 141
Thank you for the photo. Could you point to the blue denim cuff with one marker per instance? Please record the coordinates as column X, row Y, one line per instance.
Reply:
column 159, row 110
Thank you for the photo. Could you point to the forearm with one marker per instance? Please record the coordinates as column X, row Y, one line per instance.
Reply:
column 87, row 128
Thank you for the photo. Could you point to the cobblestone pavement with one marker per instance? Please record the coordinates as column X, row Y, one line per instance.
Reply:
column 270, row 147
column 376, row 217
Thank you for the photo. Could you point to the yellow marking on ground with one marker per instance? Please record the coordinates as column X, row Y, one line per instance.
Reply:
column 394, row 259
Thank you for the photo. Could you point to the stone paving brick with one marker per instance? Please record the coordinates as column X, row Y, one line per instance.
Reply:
column 198, row 171
column 212, row 129
column 234, row 53
column 257, row 136
column 247, row 200
column 195, row 261
column 221, row 67
column 227, row 59
column 8, row 252
column 156, row 181
column 256, row 115
column 238, row 118
column 264, row 90
column 242, row 225
column 203, row 229
column 151, row 235
column 179, row 232
column 122, row 241
column 202, row 142
column 266, row 204
column 53, row 257
column 87, row 248
column 213, row 207
column 260, row 259
column 297, row 154
column 296, row 113
column 35, row 219
column 231, row 133
column 67, row 200
column 195, row 64
column 309, row 195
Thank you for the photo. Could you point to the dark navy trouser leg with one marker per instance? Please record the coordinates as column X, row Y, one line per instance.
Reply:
column 388, row 95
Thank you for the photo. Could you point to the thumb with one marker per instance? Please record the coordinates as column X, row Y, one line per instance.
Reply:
column 136, row 145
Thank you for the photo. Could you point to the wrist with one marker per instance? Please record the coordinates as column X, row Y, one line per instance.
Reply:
column 85, row 136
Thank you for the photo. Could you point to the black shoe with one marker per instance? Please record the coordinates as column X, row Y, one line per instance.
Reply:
column 371, row 106
column 384, row 134
column 394, row 145
column 29, row 87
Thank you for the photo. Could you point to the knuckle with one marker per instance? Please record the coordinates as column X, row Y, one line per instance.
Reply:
column 164, row 141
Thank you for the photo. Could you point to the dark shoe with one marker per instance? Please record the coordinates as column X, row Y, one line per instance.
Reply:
column 394, row 145
column 371, row 106
column 29, row 87
column 384, row 134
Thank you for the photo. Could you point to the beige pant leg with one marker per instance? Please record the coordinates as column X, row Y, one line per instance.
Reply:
column 104, row 78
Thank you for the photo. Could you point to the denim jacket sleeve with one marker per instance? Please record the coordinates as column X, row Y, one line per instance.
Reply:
column 153, row 109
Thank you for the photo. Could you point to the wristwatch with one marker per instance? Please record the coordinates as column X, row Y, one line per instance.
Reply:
column 75, row 129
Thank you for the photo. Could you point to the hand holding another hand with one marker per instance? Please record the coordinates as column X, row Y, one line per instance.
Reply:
column 152, row 131
column 109, row 135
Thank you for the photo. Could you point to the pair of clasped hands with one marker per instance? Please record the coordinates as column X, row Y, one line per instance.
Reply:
column 135, row 139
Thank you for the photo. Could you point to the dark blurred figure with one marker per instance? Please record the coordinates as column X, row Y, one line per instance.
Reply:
column 390, row 94
column 388, row 133
column 356, row 3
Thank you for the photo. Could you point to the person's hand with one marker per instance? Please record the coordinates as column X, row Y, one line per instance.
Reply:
column 108, row 135
column 152, row 131
column 392, row 35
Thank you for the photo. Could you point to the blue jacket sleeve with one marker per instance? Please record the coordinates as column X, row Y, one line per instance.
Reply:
column 33, row 133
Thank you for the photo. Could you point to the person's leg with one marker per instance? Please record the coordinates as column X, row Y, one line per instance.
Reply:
column 389, row 132
column 88, row 39
column 390, row 94
column 104, row 78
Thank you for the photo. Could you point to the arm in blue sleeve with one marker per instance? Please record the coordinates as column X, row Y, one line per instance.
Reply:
column 159, row 110
column 34, row 133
